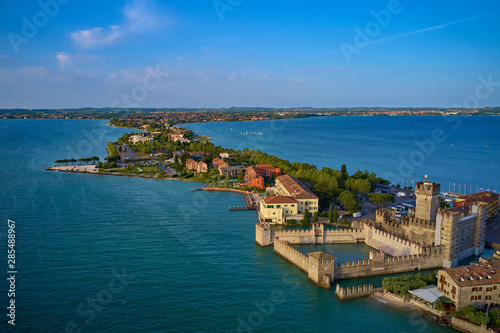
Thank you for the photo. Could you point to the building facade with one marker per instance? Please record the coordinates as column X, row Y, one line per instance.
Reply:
column 477, row 284
column 277, row 209
column 461, row 230
column 488, row 198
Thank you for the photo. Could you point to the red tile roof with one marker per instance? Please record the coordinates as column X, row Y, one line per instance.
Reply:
column 295, row 188
column 481, row 197
column 476, row 274
column 279, row 199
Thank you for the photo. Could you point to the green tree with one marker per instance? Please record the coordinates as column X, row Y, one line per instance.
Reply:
column 316, row 217
column 364, row 186
column 381, row 199
column 241, row 177
column 443, row 204
column 306, row 220
column 330, row 214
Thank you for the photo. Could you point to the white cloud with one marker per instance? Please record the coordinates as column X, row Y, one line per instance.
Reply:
column 65, row 59
column 140, row 16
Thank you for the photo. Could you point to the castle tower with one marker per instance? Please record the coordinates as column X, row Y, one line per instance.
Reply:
column 428, row 200
column 321, row 268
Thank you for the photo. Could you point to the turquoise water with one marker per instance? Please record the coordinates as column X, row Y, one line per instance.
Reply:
column 186, row 263
column 460, row 150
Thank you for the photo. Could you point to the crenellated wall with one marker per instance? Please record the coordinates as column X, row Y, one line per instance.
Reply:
column 353, row 292
column 389, row 243
column 317, row 234
column 289, row 253
column 379, row 265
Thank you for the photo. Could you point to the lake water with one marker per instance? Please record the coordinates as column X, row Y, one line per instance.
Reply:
column 116, row 254
column 460, row 150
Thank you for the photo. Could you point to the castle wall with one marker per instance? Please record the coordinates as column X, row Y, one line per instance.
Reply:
column 263, row 234
column 353, row 292
column 389, row 243
column 379, row 265
column 319, row 235
column 289, row 253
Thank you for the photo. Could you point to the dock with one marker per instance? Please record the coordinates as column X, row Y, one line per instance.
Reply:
column 241, row 208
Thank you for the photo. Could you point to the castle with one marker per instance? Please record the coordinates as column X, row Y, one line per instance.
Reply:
column 460, row 230
column 427, row 237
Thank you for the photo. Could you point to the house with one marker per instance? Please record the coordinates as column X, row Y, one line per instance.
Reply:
column 477, row 284
column 267, row 170
column 277, row 209
column 254, row 178
column 218, row 163
column 199, row 167
column 287, row 185
column 488, row 198
column 174, row 137
column 231, row 170
column 225, row 155
column 140, row 138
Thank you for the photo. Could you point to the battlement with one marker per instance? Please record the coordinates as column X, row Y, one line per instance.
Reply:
column 400, row 240
column 294, row 256
column 456, row 212
column 353, row 263
column 293, row 232
column 353, row 292
column 427, row 188
column 344, row 231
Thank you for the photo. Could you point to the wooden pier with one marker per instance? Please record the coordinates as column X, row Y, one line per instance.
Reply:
column 241, row 208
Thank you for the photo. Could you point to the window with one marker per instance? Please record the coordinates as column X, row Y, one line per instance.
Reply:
column 270, row 206
column 479, row 297
column 453, row 290
column 278, row 206
column 480, row 288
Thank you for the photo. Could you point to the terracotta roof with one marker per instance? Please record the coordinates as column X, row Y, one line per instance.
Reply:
column 268, row 167
column 481, row 197
column 251, row 173
column 476, row 274
column 295, row 188
column 279, row 199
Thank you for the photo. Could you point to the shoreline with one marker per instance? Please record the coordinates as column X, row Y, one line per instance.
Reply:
column 121, row 175
column 409, row 307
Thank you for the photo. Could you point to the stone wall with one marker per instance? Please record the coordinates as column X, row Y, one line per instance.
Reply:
column 466, row 326
column 263, row 234
column 379, row 265
column 353, row 292
column 317, row 234
column 389, row 243
column 289, row 253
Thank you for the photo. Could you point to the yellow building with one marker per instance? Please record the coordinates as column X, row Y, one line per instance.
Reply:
column 477, row 284
column 277, row 209
column 287, row 185
column 488, row 198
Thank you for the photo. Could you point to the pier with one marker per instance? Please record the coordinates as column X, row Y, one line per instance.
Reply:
column 241, row 208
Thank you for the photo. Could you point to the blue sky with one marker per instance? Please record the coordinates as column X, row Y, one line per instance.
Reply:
column 223, row 53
